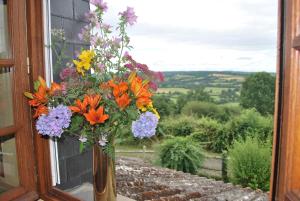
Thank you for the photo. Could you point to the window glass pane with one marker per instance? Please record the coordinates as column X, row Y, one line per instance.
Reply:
column 9, row 175
column 4, row 34
column 6, row 102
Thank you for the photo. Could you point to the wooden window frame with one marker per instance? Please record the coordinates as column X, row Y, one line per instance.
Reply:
column 42, row 150
column 23, row 138
column 281, row 187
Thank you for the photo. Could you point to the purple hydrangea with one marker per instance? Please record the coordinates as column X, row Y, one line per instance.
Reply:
column 145, row 126
column 54, row 123
column 129, row 16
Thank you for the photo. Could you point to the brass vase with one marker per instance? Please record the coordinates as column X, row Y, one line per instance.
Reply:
column 104, row 180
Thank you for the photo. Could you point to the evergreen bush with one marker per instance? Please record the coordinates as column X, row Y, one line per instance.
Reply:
column 181, row 154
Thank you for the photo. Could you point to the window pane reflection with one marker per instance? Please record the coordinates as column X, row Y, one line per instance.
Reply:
column 9, row 176
column 6, row 102
column 4, row 34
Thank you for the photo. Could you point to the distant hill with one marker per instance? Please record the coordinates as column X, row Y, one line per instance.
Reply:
column 195, row 79
column 214, row 82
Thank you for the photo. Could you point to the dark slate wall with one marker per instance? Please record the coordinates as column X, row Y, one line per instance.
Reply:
column 75, row 168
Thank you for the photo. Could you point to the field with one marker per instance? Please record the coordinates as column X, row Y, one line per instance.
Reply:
column 194, row 79
column 215, row 83
column 172, row 90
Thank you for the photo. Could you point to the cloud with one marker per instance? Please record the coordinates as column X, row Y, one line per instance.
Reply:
column 250, row 37
column 203, row 34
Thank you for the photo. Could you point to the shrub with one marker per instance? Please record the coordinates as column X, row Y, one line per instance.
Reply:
column 249, row 123
column 179, row 125
column 213, row 132
column 201, row 109
column 229, row 111
column 180, row 154
column 207, row 131
column 250, row 163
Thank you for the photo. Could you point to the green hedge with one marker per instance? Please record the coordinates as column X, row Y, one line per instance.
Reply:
column 206, row 109
column 180, row 125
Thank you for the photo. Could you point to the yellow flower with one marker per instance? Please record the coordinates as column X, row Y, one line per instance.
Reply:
column 150, row 107
column 85, row 60
column 156, row 113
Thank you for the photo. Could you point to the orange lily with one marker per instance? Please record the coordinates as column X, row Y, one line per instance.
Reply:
column 141, row 92
column 42, row 82
column 120, row 89
column 54, row 88
column 93, row 100
column 40, row 97
column 96, row 116
column 123, row 101
column 136, row 85
column 42, row 109
column 80, row 106
column 105, row 86
column 111, row 83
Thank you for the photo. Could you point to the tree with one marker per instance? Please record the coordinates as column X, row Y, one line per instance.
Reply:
column 228, row 96
column 164, row 105
column 198, row 94
column 258, row 91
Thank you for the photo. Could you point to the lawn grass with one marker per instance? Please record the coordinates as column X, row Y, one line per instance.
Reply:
column 137, row 151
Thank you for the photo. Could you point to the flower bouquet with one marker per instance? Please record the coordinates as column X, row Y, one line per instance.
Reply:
column 103, row 91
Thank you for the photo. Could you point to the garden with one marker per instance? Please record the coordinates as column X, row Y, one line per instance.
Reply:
column 193, row 127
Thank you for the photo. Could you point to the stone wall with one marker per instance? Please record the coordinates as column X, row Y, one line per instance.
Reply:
column 142, row 181
column 75, row 168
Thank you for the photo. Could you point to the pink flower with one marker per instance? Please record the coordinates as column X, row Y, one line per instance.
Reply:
column 153, row 85
column 68, row 73
column 94, row 40
column 159, row 76
column 143, row 67
column 129, row 66
column 100, row 4
column 127, row 56
column 63, row 88
column 80, row 36
column 129, row 16
column 100, row 66
column 91, row 16
column 106, row 27
column 116, row 41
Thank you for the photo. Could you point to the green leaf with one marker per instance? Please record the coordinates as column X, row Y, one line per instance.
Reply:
column 132, row 113
column 36, row 85
column 28, row 95
column 115, row 117
column 81, row 147
column 76, row 123
column 109, row 149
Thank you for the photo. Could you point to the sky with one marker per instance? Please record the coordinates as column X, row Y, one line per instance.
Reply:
column 192, row 35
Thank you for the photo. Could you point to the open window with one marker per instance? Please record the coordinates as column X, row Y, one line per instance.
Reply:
column 286, row 155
